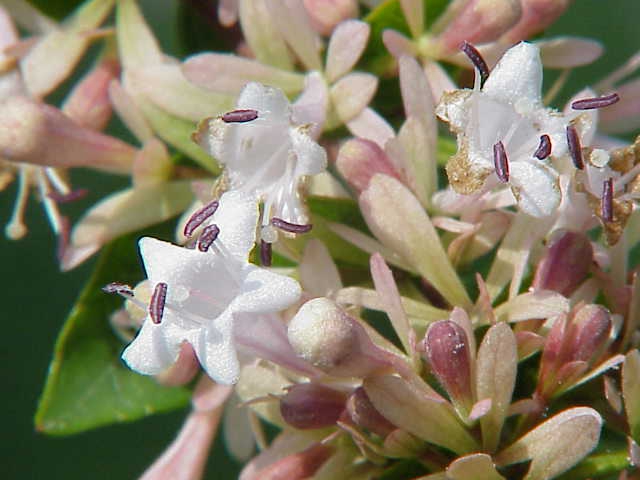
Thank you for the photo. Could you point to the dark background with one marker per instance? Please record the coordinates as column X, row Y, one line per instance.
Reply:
column 36, row 297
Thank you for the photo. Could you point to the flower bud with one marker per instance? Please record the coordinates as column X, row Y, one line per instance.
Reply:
column 310, row 405
column 565, row 263
column 479, row 21
column 33, row 132
column 328, row 338
column 297, row 466
column 591, row 329
column 447, row 350
column 536, row 16
column 326, row 14
column 360, row 159
column 364, row 414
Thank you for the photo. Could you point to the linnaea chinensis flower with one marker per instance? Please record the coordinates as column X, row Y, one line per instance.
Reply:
column 203, row 295
column 265, row 156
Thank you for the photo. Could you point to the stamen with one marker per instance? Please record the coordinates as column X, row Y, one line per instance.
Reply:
column 68, row 197
column 575, row 149
column 476, row 58
column 240, row 116
column 16, row 227
column 265, row 253
column 501, row 162
column 200, row 216
column 598, row 102
column 156, row 305
column 290, row 227
column 118, row 288
column 544, row 149
column 606, row 204
column 209, row 235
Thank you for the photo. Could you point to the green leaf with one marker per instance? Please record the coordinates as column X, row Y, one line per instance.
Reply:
column 338, row 210
column 88, row 385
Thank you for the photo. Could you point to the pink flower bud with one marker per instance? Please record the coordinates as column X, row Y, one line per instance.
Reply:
column 297, row 466
column 310, row 405
column 565, row 263
column 590, row 331
column 33, row 132
column 327, row 337
column 360, row 159
column 447, row 350
column 536, row 16
column 364, row 414
column 479, row 21
column 326, row 14
column 88, row 103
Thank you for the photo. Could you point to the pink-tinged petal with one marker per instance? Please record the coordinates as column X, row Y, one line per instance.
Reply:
column 531, row 305
column 8, row 34
column 439, row 80
column 312, row 104
column 352, row 93
column 359, row 160
column 166, row 87
column 123, row 212
column 183, row 370
column 326, row 14
column 406, row 407
column 623, row 117
column 186, row 457
column 528, row 344
column 473, row 467
column 398, row 45
column 345, row 47
column 569, row 52
column 479, row 22
column 137, row 45
column 557, row 444
column 417, row 96
column 536, row 16
column 88, row 103
column 319, row 275
column 53, row 58
column 496, row 370
column 480, row 409
column 37, row 133
column 294, row 24
column 371, row 126
column 388, row 292
column 209, row 396
column 398, row 219
column 228, row 12
column 152, row 164
column 262, row 35
column 414, row 15
column 227, row 74
column 298, row 466
column 129, row 112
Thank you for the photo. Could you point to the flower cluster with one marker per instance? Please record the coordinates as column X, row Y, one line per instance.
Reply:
column 304, row 214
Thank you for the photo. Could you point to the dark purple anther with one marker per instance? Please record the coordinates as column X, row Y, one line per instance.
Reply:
column 265, row 253
column 200, row 216
column 290, row 227
column 118, row 288
column 240, row 116
column 544, row 149
column 68, row 197
column 606, row 206
column 501, row 162
column 209, row 235
column 477, row 60
column 598, row 102
column 156, row 305
column 575, row 149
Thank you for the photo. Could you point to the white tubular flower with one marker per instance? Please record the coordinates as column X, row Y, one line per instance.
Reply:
column 504, row 127
column 264, row 153
column 198, row 295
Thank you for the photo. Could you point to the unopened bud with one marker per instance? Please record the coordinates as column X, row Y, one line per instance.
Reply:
column 327, row 337
column 447, row 349
column 310, row 405
column 297, row 466
column 359, row 160
column 479, row 21
column 33, row 132
column 565, row 263
column 536, row 16
column 591, row 329
column 364, row 414
column 326, row 14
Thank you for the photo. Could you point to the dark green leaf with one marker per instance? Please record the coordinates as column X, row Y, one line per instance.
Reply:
column 88, row 385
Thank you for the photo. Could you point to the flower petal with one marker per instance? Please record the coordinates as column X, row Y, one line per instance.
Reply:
column 237, row 216
column 152, row 351
column 264, row 291
column 352, row 93
column 347, row 43
column 536, row 188
column 371, row 126
column 569, row 52
column 216, row 351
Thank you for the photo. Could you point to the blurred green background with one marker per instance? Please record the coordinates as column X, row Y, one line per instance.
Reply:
column 36, row 297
